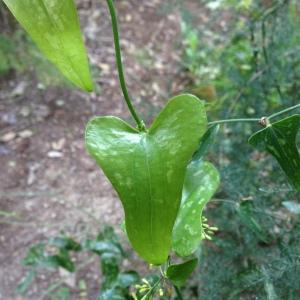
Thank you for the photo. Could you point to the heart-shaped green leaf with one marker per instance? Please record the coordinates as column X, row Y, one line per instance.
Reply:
column 201, row 182
column 178, row 274
column 54, row 27
column 279, row 139
column 147, row 169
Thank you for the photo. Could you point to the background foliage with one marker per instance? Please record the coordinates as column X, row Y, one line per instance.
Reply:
column 251, row 68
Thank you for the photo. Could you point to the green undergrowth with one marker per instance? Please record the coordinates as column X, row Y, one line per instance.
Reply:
column 246, row 68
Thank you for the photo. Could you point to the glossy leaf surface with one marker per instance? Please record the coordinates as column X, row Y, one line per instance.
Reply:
column 201, row 182
column 54, row 26
column 147, row 169
column 179, row 274
column 279, row 139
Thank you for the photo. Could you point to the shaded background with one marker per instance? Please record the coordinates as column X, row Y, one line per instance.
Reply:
column 242, row 57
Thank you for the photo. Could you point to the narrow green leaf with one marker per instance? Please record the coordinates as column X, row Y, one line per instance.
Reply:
column 201, row 182
column 23, row 286
column 178, row 274
column 54, row 26
column 206, row 142
column 147, row 169
column 279, row 139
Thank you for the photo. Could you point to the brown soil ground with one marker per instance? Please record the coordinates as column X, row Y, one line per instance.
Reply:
column 48, row 183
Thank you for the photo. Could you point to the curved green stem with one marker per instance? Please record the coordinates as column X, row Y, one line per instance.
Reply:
column 284, row 111
column 114, row 21
column 233, row 121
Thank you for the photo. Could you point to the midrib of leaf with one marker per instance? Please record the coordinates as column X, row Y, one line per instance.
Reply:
column 145, row 147
column 44, row 7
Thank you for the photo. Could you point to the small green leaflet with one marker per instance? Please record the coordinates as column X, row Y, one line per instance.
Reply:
column 24, row 285
column 54, row 26
column 279, row 139
column 147, row 169
column 201, row 182
column 206, row 142
column 178, row 274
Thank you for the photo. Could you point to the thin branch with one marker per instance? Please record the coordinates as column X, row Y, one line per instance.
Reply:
column 284, row 111
column 234, row 121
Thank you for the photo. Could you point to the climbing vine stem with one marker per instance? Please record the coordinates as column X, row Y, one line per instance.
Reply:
column 284, row 111
column 255, row 119
column 114, row 21
column 233, row 121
